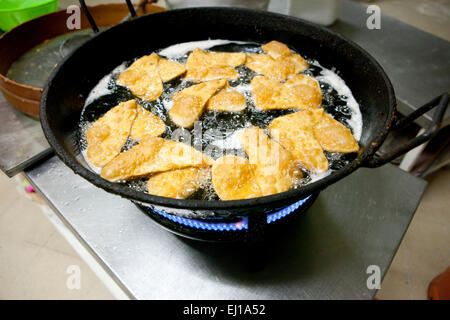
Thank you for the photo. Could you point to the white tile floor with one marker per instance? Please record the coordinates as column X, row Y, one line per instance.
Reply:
column 34, row 257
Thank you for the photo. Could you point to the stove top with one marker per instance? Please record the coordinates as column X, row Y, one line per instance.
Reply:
column 321, row 254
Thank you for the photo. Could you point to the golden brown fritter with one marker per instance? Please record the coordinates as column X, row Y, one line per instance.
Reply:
column 180, row 183
column 227, row 100
column 189, row 103
column 142, row 78
column 152, row 155
column 300, row 92
column 276, row 169
column 146, row 123
column 266, row 93
column 334, row 136
column 295, row 132
column 169, row 70
column 233, row 178
column 206, row 66
column 106, row 136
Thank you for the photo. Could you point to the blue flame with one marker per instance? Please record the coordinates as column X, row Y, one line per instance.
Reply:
column 198, row 224
column 286, row 211
column 230, row 226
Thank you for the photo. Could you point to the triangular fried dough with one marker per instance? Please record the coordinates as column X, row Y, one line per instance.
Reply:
column 334, row 136
column 265, row 92
column 142, row 78
column 206, row 66
column 227, row 100
column 233, row 59
column 299, row 62
column 276, row 49
column 233, row 178
column 189, row 103
column 301, row 92
column 199, row 59
column 295, row 133
column 179, row 184
column 106, row 137
column 276, row 169
column 278, row 69
column 146, row 123
column 153, row 155
column 212, row 73
column 169, row 70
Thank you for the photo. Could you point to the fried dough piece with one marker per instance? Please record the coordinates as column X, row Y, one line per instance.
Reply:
column 146, row 123
column 276, row 49
column 106, row 137
column 206, row 66
column 227, row 100
column 276, row 169
column 295, row 133
column 233, row 178
column 212, row 73
column 142, row 78
column 233, row 59
column 265, row 92
column 179, row 184
column 300, row 92
column 169, row 70
column 279, row 50
column 189, row 103
column 203, row 59
column 278, row 69
column 334, row 136
column 299, row 62
column 152, row 155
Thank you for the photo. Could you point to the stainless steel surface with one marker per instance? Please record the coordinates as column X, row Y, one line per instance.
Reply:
column 324, row 254
column 417, row 62
column 21, row 139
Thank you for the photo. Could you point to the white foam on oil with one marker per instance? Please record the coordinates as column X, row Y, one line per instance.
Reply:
column 96, row 169
column 102, row 88
column 180, row 49
column 167, row 103
column 243, row 88
column 232, row 142
column 337, row 83
column 317, row 176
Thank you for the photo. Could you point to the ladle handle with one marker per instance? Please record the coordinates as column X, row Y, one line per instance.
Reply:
column 91, row 19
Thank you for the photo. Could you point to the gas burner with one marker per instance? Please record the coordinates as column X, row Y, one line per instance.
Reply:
column 228, row 229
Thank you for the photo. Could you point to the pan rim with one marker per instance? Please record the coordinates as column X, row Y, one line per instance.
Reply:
column 189, row 204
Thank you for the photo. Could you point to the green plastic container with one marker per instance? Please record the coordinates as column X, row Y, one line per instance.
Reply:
column 15, row 12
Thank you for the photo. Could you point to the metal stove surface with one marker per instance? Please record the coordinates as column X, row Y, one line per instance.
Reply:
column 324, row 254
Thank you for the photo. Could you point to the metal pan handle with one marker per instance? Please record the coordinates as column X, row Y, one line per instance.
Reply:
column 91, row 19
column 441, row 103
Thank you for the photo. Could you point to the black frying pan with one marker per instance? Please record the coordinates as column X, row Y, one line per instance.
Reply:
column 65, row 94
